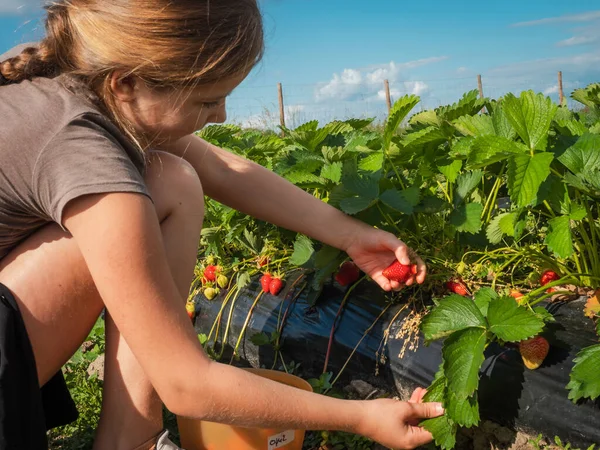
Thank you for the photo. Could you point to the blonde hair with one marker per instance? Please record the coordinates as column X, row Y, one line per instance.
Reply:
column 168, row 44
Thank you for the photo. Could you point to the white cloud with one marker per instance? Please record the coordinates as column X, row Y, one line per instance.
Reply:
column 462, row 70
column 584, row 17
column 551, row 90
column 578, row 40
column 19, row 6
column 368, row 81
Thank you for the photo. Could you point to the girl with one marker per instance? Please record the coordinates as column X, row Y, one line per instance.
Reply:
column 102, row 186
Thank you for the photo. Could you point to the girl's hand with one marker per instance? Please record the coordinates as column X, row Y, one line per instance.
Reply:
column 373, row 250
column 394, row 424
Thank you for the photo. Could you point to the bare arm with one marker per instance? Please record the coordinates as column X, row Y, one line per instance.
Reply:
column 252, row 189
column 127, row 261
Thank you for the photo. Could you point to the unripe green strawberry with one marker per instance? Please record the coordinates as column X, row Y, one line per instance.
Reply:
column 210, row 260
column 222, row 281
column 534, row 351
column 210, row 293
column 190, row 309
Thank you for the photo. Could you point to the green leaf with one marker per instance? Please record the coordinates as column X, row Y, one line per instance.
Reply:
column 243, row 280
column 486, row 150
column 525, row 175
column 443, row 431
column 512, row 323
column 531, row 116
column 454, row 313
column 260, row 339
column 480, row 125
column 325, row 256
column 502, row 125
column 465, row 184
column 372, row 162
column 451, row 171
column 364, row 186
column 465, row 412
column 467, row 217
column 303, row 250
column 332, row 172
column 425, row 119
column 422, row 137
column 470, row 104
column 483, row 297
column 301, row 176
column 544, row 314
column 559, row 238
column 585, row 382
column 436, row 392
column 463, row 356
column 403, row 201
column 577, row 211
column 493, row 232
column 399, row 111
column 355, row 205
column 507, row 223
column 584, row 156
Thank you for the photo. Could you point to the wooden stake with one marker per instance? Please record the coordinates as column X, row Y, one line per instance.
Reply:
column 480, row 86
column 388, row 97
column 281, row 109
column 561, row 94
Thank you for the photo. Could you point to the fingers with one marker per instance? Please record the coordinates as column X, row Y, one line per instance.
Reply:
column 426, row 410
column 419, row 436
column 421, row 269
column 417, row 395
column 402, row 252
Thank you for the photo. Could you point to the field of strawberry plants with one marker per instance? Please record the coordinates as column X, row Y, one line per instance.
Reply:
column 499, row 197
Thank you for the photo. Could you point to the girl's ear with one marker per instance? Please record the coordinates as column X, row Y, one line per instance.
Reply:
column 124, row 88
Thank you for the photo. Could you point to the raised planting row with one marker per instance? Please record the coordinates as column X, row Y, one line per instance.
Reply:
column 499, row 197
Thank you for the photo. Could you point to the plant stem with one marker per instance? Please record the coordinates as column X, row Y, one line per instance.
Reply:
column 243, row 330
column 367, row 331
column 339, row 312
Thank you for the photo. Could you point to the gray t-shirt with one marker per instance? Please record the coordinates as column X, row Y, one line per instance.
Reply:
column 56, row 146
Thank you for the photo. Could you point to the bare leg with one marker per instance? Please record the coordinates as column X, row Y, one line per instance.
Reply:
column 60, row 304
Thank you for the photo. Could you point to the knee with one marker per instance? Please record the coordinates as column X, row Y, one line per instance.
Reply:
column 173, row 184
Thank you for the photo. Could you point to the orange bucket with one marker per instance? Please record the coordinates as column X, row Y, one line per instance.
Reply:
column 201, row 435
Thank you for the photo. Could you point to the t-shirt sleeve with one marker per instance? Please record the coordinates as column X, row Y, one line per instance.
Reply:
column 83, row 158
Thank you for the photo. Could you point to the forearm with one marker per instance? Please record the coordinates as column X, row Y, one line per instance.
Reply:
column 230, row 395
column 256, row 191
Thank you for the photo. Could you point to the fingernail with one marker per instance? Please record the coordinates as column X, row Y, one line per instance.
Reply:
column 439, row 409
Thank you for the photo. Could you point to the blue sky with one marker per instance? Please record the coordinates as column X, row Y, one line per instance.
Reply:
column 332, row 55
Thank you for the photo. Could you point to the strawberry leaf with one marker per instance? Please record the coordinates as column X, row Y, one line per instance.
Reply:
column 585, row 382
column 443, row 430
column 486, row 150
column 502, row 125
column 399, row 111
column 467, row 217
column 531, row 116
column 464, row 412
column 465, row 184
column 483, row 297
column 403, row 201
column 303, row 250
column 454, row 313
column 422, row 137
column 512, row 323
column 372, row 162
column 584, row 156
column 559, row 238
column 463, row 356
column 353, row 205
column 451, row 171
column 332, row 172
column 525, row 175
column 475, row 125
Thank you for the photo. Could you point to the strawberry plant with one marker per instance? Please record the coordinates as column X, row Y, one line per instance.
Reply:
column 468, row 327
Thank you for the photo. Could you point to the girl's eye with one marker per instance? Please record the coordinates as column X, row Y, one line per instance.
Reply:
column 210, row 105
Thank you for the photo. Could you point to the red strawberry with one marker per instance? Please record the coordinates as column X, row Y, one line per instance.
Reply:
column 548, row 276
column 275, row 286
column 189, row 308
column 516, row 295
column 265, row 281
column 347, row 274
column 209, row 273
column 398, row 272
column 534, row 351
column 458, row 287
